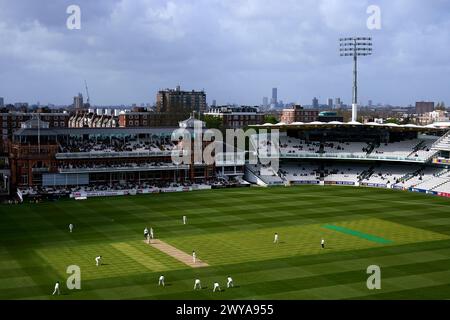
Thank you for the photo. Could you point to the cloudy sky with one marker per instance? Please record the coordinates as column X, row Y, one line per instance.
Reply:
column 236, row 50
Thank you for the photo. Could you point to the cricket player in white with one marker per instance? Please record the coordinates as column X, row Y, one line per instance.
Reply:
column 216, row 287
column 145, row 233
column 276, row 238
column 322, row 243
column 197, row 284
column 194, row 257
column 230, row 282
column 98, row 260
column 152, row 236
column 161, row 281
column 56, row 289
column 70, row 228
column 184, row 219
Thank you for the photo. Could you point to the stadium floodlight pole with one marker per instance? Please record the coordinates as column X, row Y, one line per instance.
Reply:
column 355, row 47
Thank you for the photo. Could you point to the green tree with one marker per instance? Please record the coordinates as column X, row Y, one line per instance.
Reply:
column 393, row 120
column 213, row 122
column 270, row 119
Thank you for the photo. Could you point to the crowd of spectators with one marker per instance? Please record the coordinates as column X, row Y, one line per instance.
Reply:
column 115, row 144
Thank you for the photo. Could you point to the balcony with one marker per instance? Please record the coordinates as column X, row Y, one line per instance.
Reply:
column 130, row 154
column 130, row 168
column 349, row 156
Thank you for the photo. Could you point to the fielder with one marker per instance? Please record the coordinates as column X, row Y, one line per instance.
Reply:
column 145, row 233
column 216, row 287
column 56, row 289
column 161, row 281
column 322, row 243
column 276, row 238
column 184, row 219
column 197, row 284
column 194, row 257
column 230, row 282
column 98, row 260
column 70, row 228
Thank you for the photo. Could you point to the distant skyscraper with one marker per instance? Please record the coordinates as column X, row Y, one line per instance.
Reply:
column 78, row 102
column 315, row 103
column 178, row 101
column 424, row 107
column 265, row 102
column 337, row 103
column 330, row 103
column 274, row 96
column 370, row 103
column 2, row 102
column 214, row 103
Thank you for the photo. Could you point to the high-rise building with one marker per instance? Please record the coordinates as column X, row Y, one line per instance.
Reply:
column 274, row 96
column 214, row 103
column 78, row 102
column 330, row 103
column 315, row 103
column 265, row 102
column 182, row 102
column 424, row 107
column 337, row 103
column 2, row 102
column 370, row 103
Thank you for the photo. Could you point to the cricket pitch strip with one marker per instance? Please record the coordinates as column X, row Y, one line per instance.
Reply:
column 176, row 253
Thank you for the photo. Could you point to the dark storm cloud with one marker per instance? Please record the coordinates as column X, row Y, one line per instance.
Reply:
column 235, row 49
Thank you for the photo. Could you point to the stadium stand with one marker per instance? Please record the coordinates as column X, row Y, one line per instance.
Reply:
column 387, row 174
column 344, row 173
column 299, row 172
column 114, row 144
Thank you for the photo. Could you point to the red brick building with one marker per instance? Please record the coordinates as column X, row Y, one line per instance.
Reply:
column 298, row 114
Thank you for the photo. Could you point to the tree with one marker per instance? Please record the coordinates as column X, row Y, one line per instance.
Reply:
column 440, row 106
column 392, row 120
column 270, row 119
column 213, row 122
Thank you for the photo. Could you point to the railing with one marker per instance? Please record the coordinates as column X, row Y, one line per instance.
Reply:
column 123, row 169
column 40, row 170
column 446, row 138
column 130, row 154
column 349, row 156
column 230, row 159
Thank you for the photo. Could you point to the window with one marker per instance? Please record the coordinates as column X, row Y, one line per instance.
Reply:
column 24, row 179
column 130, row 123
column 62, row 124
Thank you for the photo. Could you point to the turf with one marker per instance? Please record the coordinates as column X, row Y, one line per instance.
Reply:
column 232, row 230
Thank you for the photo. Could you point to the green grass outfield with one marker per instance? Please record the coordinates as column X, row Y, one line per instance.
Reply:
column 406, row 234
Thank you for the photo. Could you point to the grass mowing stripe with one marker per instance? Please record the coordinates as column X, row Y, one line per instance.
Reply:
column 358, row 234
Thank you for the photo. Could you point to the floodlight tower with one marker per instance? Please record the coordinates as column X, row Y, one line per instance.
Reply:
column 355, row 47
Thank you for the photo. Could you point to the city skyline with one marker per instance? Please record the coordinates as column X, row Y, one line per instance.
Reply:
column 248, row 49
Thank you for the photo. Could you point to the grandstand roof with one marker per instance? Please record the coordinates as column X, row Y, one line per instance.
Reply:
column 337, row 124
